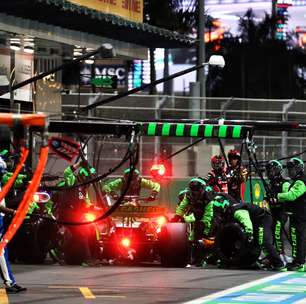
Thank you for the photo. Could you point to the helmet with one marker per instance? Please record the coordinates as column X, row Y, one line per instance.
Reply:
column 197, row 184
column 85, row 172
column 295, row 167
column 217, row 162
column 197, row 188
column 127, row 171
column 234, row 154
column 182, row 194
column 274, row 168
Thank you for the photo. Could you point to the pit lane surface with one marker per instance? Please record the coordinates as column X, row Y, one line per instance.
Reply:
column 117, row 284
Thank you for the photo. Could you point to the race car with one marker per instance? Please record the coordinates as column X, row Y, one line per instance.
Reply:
column 142, row 233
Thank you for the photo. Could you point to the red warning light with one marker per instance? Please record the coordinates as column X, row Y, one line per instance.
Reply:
column 158, row 170
column 90, row 217
column 126, row 242
column 161, row 221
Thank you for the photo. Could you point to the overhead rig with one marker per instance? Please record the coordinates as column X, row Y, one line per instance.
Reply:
column 164, row 129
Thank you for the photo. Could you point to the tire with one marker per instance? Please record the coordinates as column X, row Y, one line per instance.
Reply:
column 32, row 243
column 173, row 245
column 233, row 248
column 74, row 253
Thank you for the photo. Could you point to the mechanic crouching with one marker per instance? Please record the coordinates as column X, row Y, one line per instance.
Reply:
column 256, row 221
column 191, row 210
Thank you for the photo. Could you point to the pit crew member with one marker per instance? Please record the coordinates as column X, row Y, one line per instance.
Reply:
column 236, row 175
column 277, row 183
column 216, row 178
column 256, row 221
column 115, row 187
column 294, row 198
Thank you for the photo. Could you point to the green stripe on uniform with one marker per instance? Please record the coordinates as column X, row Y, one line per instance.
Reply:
column 166, row 129
column 222, row 131
column 194, row 130
column 179, row 130
column 237, row 131
column 151, row 129
column 208, row 131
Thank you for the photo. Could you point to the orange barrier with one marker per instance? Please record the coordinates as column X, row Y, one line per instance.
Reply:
column 26, row 200
column 36, row 120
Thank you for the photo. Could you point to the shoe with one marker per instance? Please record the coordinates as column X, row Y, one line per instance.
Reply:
column 222, row 264
column 201, row 264
column 261, row 266
column 15, row 289
column 286, row 259
column 296, row 267
column 281, row 268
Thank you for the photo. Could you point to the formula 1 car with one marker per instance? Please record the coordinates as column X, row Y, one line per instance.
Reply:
column 142, row 233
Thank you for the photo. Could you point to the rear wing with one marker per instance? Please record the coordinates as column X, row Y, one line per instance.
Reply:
column 139, row 211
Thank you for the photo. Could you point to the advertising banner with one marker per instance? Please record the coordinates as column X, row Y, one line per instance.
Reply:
column 105, row 70
column 128, row 9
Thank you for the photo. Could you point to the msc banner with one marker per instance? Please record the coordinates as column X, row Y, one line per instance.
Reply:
column 128, row 9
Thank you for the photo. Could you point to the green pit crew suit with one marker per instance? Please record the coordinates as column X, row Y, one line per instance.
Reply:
column 71, row 203
column 75, row 198
column 256, row 221
column 191, row 210
column 137, row 183
column 194, row 213
column 294, row 197
column 278, row 184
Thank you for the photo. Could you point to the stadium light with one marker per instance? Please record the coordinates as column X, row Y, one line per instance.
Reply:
column 158, row 171
column 217, row 60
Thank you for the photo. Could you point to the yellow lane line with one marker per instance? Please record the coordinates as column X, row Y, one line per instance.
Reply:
column 63, row 287
column 3, row 296
column 86, row 292
column 105, row 296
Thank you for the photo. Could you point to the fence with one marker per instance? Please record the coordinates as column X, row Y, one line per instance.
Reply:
column 194, row 161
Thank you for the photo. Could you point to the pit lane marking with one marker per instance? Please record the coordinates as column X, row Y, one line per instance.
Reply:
column 63, row 287
column 87, row 293
column 3, row 296
column 223, row 293
column 109, row 296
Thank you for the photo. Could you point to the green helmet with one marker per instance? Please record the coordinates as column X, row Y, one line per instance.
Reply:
column 274, row 169
column 128, row 170
column 295, row 167
column 197, row 184
column 182, row 194
column 84, row 171
column 136, row 174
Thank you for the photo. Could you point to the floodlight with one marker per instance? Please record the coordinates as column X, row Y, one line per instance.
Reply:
column 217, row 60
